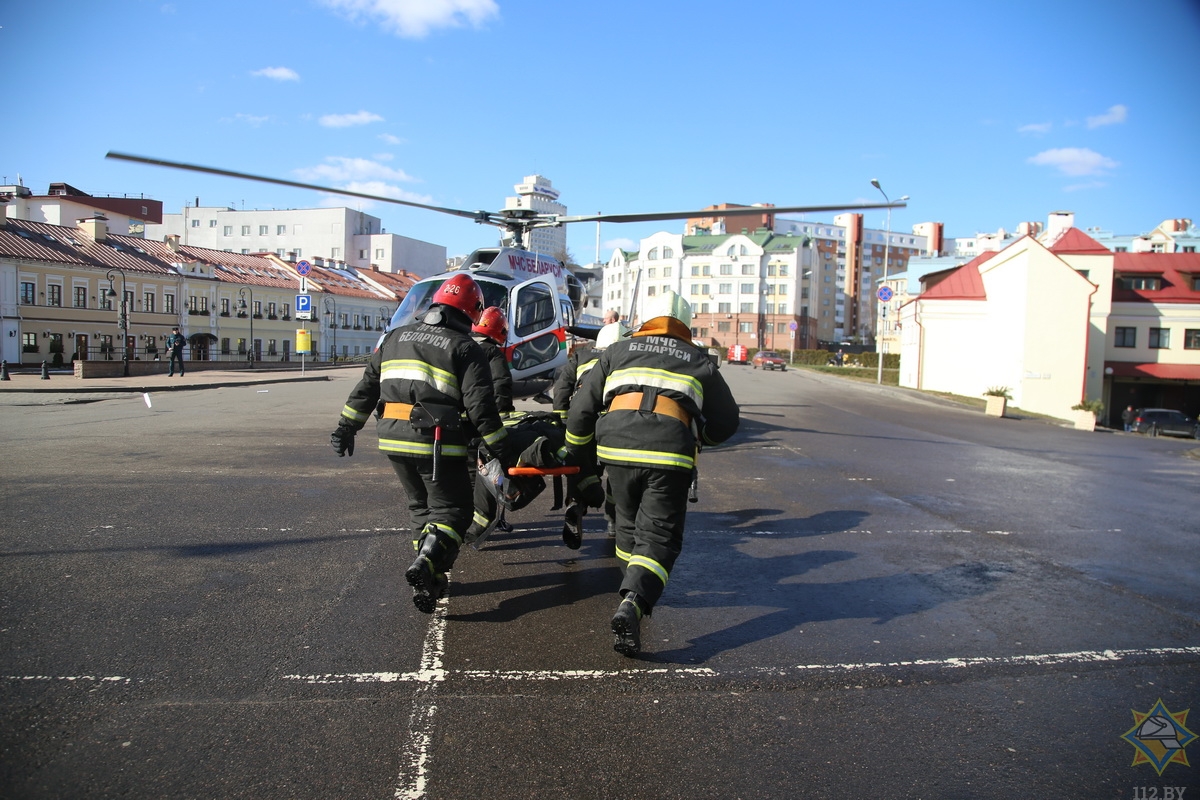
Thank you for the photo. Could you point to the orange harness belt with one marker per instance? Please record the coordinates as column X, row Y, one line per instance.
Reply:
column 632, row 401
column 397, row 410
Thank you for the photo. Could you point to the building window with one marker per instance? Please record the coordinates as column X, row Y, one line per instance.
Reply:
column 81, row 297
column 28, row 293
column 281, row 229
column 1126, row 337
column 726, row 269
column 668, row 252
column 1191, row 339
column 225, row 346
column 169, row 303
column 212, row 223
column 224, row 306
column 54, row 295
column 29, row 343
column 747, row 288
column 263, row 229
column 1160, row 338
column 227, row 230
column 1142, row 282
column 666, row 272
column 379, row 252
column 724, row 308
column 195, row 223
column 148, row 302
column 245, row 230
column 335, row 252
column 746, row 308
column 745, row 327
column 271, row 347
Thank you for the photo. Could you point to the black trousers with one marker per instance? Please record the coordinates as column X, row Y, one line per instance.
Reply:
column 176, row 357
column 446, row 503
column 651, row 506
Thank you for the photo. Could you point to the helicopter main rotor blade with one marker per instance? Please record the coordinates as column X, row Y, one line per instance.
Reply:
column 478, row 216
column 725, row 212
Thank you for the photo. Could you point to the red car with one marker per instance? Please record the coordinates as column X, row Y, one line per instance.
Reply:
column 768, row 359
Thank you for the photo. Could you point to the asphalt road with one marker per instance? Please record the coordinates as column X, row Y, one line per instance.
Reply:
column 881, row 595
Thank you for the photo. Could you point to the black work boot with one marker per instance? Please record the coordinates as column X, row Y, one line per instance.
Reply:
column 626, row 626
column 572, row 532
column 426, row 576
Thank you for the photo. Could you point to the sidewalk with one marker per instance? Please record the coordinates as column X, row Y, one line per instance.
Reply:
column 64, row 382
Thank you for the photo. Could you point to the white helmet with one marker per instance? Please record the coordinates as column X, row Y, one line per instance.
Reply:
column 611, row 333
column 668, row 304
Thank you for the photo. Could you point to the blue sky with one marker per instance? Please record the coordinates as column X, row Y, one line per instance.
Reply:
column 986, row 114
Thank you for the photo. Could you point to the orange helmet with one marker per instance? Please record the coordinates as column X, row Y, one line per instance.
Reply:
column 462, row 292
column 492, row 324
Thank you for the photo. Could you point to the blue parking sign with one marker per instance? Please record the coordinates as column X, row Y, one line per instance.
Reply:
column 303, row 303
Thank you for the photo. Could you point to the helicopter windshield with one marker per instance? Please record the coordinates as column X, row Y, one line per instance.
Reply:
column 420, row 297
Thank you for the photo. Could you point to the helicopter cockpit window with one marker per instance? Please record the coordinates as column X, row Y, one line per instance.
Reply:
column 535, row 309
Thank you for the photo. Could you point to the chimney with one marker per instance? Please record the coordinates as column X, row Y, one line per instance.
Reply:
column 172, row 240
column 96, row 228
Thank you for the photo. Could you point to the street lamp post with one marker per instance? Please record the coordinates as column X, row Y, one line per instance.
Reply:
column 333, row 321
column 887, row 241
column 122, row 317
column 385, row 317
column 242, row 305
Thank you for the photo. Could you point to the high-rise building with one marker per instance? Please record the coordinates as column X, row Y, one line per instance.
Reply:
column 538, row 194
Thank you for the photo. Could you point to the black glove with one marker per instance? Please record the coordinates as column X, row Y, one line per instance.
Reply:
column 342, row 440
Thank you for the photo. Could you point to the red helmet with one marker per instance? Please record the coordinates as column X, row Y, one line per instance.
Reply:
column 492, row 324
column 462, row 292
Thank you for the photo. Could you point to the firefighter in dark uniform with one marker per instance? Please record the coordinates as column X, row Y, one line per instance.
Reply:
column 648, row 404
column 419, row 381
column 569, row 376
column 491, row 333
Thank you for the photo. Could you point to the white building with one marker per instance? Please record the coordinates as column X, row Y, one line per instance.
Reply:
column 341, row 235
column 537, row 193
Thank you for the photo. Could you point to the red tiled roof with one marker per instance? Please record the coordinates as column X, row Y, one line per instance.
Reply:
column 1179, row 273
column 41, row 241
column 1076, row 242
column 1129, row 369
column 963, row 283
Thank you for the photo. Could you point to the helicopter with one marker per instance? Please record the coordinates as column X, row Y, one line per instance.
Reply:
column 542, row 298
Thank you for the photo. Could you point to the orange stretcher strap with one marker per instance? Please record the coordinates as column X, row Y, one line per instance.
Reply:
column 542, row 470
column 632, row 401
column 397, row 410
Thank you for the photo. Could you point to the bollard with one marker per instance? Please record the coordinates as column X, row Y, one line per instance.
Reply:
column 4, row 371
column 45, row 371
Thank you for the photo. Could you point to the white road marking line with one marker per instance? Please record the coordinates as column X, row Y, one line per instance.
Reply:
column 953, row 662
column 414, row 759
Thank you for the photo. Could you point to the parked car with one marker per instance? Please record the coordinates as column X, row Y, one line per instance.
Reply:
column 768, row 359
column 1165, row 421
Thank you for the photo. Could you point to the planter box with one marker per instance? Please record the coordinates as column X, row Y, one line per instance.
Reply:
column 1085, row 420
column 996, row 406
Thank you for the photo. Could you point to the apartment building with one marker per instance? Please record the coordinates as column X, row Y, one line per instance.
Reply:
column 85, row 293
column 1060, row 319
column 537, row 193
column 350, row 238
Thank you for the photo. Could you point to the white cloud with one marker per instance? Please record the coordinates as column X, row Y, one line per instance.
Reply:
column 624, row 244
column 1114, row 116
column 361, row 175
column 390, row 139
column 1037, row 128
column 349, row 120
column 252, row 120
column 277, row 73
column 415, row 19
column 1074, row 161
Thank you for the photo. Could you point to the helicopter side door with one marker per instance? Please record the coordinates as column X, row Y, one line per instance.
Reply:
column 536, row 332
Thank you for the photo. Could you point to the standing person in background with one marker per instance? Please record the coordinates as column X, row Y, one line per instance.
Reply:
column 175, row 343
column 1127, row 417
column 647, row 404
column 420, row 381
column 611, row 316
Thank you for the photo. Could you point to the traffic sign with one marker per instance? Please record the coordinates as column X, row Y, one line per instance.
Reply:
column 792, row 325
column 885, row 293
column 303, row 267
column 303, row 303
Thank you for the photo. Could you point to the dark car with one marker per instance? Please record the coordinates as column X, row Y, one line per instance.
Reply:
column 1165, row 421
column 768, row 359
